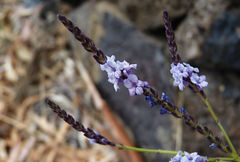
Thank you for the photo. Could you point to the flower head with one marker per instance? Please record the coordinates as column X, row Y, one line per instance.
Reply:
column 134, row 85
column 151, row 101
column 183, row 71
column 119, row 72
column 193, row 157
column 213, row 146
column 199, row 80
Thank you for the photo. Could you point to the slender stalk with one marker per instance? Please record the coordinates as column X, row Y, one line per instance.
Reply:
column 220, row 159
column 205, row 100
column 188, row 120
column 169, row 152
column 147, row 150
column 176, row 59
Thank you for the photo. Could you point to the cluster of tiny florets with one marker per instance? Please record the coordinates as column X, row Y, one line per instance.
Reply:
column 121, row 72
column 164, row 98
column 151, row 100
column 213, row 146
column 193, row 157
column 183, row 71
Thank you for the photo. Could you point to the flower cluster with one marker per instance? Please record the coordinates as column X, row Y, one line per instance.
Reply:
column 183, row 71
column 151, row 100
column 193, row 157
column 164, row 98
column 120, row 72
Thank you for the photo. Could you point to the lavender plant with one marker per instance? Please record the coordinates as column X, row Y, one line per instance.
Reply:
column 121, row 72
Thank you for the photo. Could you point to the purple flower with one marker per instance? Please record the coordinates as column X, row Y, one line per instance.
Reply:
column 183, row 71
column 177, row 158
column 199, row 80
column 119, row 72
column 165, row 97
column 115, row 69
column 213, row 146
column 183, row 110
column 135, row 86
column 193, row 157
column 152, row 101
column 163, row 111
column 178, row 72
column 91, row 141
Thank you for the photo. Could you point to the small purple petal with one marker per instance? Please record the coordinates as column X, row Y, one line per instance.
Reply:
column 140, row 83
column 181, row 86
column 116, row 87
column 163, row 111
column 182, row 71
column 127, row 83
column 212, row 146
column 132, row 91
column 133, row 78
column 91, row 141
column 139, row 90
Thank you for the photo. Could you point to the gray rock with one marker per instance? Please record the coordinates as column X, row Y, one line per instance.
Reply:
column 193, row 31
column 148, row 14
column 222, row 48
column 32, row 3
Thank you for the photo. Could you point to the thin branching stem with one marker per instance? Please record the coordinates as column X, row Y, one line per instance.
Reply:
column 205, row 100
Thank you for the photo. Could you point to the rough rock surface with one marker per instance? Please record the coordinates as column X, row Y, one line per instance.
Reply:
column 222, row 47
column 148, row 14
column 192, row 31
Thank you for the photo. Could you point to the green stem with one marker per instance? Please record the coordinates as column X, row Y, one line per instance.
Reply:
column 169, row 152
column 234, row 152
column 147, row 150
column 220, row 159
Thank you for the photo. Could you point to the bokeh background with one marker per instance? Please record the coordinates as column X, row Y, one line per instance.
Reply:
column 39, row 58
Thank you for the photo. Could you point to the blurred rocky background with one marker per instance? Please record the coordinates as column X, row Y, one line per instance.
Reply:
column 39, row 58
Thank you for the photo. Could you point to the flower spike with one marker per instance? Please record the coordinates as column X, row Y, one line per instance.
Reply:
column 92, row 136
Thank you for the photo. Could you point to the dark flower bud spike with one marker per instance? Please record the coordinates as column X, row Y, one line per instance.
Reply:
column 89, row 133
column 171, row 38
column 87, row 43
